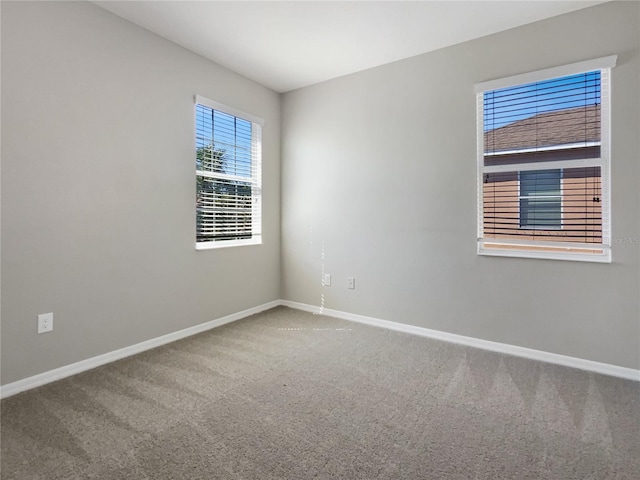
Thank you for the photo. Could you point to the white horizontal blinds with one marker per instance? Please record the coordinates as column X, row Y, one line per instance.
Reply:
column 228, row 177
column 560, row 205
column 542, row 165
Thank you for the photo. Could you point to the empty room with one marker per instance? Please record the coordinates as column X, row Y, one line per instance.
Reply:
column 293, row 240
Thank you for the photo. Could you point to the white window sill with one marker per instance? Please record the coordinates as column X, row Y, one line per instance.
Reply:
column 569, row 254
column 256, row 240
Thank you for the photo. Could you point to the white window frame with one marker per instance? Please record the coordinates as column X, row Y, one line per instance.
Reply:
column 256, row 179
column 561, row 250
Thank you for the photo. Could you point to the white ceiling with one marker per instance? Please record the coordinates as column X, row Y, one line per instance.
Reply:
column 288, row 45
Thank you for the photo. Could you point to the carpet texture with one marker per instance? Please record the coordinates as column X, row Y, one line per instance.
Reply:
column 291, row 395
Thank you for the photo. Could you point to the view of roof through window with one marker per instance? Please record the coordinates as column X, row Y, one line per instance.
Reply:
column 560, row 111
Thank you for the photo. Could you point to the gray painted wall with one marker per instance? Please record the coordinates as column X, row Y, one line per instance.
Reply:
column 98, row 184
column 379, row 182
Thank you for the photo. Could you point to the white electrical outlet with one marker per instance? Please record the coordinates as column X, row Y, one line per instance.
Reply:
column 351, row 283
column 326, row 280
column 45, row 322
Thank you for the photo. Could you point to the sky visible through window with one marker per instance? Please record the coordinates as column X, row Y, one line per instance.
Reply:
column 227, row 135
column 508, row 105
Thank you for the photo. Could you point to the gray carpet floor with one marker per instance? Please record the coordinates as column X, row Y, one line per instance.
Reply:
column 290, row 395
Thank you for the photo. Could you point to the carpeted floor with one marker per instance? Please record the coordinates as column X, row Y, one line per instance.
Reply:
column 291, row 395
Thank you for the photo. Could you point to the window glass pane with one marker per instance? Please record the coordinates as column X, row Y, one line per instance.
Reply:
column 559, row 206
column 545, row 120
column 223, row 143
column 223, row 210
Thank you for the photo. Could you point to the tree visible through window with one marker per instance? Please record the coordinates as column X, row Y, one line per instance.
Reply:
column 228, row 190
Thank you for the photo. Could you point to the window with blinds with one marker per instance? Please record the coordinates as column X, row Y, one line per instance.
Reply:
column 228, row 176
column 543, row 163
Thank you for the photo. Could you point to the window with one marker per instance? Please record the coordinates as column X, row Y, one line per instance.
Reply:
column 228, row 176
column 541, row 199
column 543, row 163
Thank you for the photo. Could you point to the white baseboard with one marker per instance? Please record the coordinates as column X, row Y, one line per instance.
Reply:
column 582, row 364
column 84, row 365
column 78, row 367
